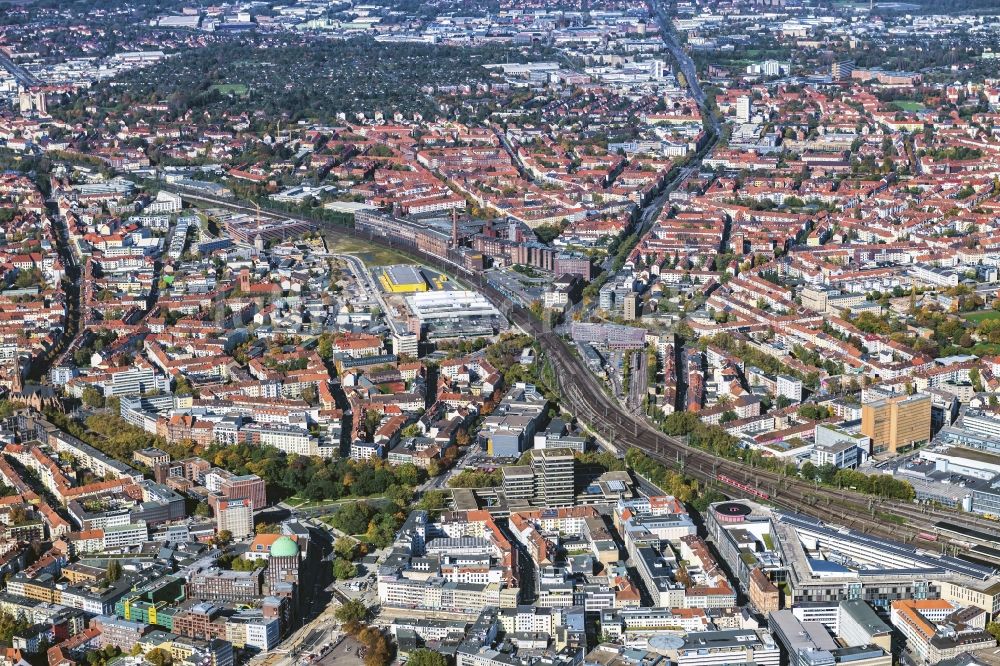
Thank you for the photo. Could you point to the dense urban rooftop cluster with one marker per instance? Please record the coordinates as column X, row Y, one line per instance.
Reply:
column 499, row 334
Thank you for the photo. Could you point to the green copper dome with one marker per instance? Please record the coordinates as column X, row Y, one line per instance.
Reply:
column 284, row 547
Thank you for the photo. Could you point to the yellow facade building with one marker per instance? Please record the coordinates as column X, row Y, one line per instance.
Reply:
column 402, row 279
column 897, row 422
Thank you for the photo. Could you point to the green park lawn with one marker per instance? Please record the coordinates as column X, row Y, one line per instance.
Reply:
column 302, row 503
column 981, row 315
column 231, row 88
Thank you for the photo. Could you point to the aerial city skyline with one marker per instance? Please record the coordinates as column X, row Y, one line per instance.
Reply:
column 499, row 332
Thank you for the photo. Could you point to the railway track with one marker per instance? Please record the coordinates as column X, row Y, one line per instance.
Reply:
column 587, row 400
column 584, row 397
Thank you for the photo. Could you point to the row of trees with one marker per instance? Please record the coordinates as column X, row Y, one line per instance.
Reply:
column 882, row 485
column 716, row 440
column 685, row 489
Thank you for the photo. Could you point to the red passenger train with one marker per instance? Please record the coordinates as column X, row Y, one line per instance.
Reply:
column 742, row 486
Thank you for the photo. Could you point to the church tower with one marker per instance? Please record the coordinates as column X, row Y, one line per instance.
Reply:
column 16, row 383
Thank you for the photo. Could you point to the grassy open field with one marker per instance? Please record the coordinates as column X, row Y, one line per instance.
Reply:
column 231, row 88
column 370, row 254
column 986, row 349
column 981, row 315
column 909, row 106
